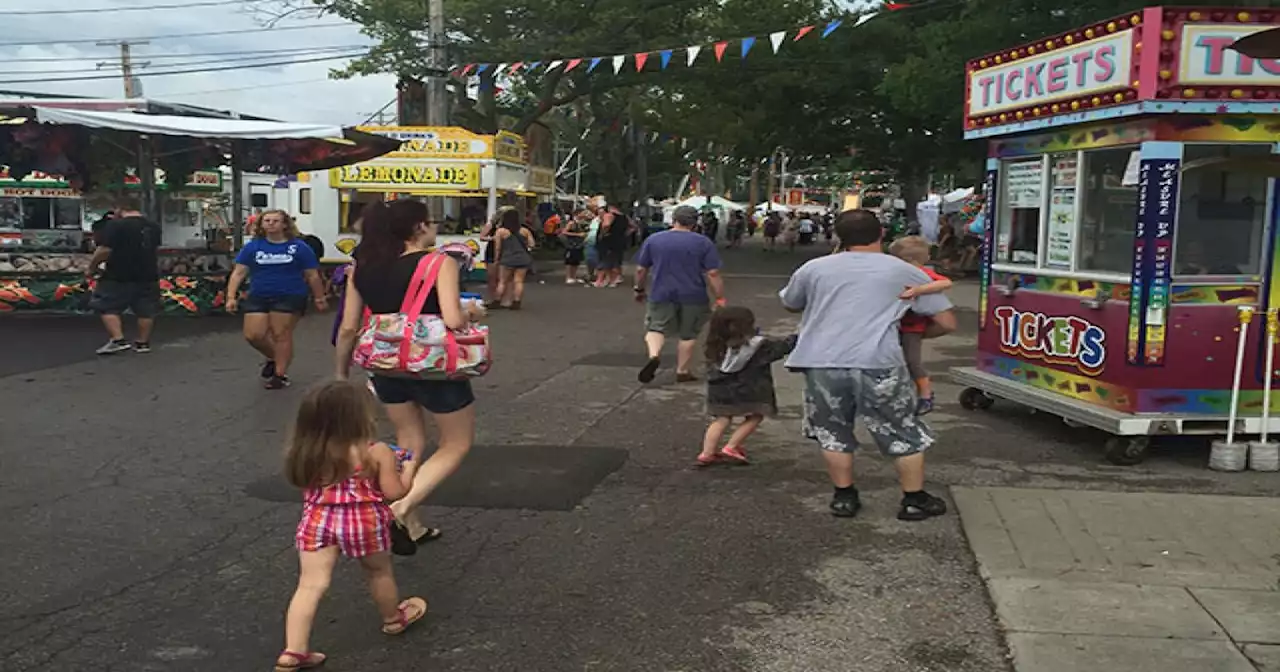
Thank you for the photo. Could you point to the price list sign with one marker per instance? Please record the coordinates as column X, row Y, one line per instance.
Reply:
column 1161, row 218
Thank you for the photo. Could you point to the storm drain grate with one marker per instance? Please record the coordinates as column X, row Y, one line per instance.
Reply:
column 541, row 478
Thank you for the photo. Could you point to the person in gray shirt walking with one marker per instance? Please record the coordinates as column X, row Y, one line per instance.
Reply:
column 851, row 357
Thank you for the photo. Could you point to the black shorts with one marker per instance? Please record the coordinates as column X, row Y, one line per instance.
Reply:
column 294, row 305
column 574, row 257
column 113, row 297
column 610, row 259
column 437, row 396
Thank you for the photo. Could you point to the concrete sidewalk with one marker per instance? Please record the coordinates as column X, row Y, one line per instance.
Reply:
column 1129, row 581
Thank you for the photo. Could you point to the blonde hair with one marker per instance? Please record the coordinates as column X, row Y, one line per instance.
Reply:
column 911, row 249
column 259, row 231
column 333, row 418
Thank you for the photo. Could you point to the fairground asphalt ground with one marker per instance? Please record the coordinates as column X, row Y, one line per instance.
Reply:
column 144, row 526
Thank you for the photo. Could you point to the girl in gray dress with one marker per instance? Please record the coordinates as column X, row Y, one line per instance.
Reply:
column 513, row 259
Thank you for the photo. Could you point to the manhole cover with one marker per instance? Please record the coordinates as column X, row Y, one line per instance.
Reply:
column 630, row 359
column 541, row 478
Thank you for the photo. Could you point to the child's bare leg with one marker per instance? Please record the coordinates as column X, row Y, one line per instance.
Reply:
column 745, row 430
column 315, row 572
column 382, row 585
column 711, row 440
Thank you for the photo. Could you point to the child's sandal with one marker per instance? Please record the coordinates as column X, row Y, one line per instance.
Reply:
column 735, row 454
column 410, row 611
column 300, row 661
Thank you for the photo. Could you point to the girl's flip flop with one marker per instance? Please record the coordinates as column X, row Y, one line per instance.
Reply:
column 301, row 661
column 735, row 454
column 410, row 611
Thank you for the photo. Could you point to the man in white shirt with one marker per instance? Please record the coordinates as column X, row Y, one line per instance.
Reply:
column 851, row 356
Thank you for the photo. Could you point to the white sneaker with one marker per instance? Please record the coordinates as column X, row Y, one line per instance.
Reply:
column 112, row 347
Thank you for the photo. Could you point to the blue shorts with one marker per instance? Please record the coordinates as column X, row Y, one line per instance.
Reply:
column 436, row 396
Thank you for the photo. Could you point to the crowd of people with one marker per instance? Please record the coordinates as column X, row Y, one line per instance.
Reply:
column 863, row 317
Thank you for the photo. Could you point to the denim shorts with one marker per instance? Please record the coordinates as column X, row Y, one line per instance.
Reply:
column 437, row 396
column 883, row 399
column 295, row 305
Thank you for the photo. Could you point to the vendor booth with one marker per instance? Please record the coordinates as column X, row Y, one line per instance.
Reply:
column 65, row 161
column 1120, row 243
column 474, row 174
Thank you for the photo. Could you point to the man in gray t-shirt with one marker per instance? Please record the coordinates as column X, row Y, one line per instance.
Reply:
column 851, row 357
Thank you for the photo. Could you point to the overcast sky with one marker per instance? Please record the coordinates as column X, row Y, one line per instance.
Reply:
column 292, row 92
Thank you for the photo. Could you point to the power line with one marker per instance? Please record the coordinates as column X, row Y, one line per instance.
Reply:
column 201, row 61
column 247, row 88
column 177, row 72
column 123, row 8
column 75, row 59
column 145, row 38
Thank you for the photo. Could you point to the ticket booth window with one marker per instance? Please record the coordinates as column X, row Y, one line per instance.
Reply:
column 1021, row 205
column 1221, row 214
column 1109, row 216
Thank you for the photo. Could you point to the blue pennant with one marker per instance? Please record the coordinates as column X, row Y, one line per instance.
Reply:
column 831, row 27
column 747, row 43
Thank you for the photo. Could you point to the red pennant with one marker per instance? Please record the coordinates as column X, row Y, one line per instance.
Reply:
column 720, row 47
column 802, row 32
column 467, row 70
column 573, row 63
column 895, row 6
column 515, row 67
column 640, row 60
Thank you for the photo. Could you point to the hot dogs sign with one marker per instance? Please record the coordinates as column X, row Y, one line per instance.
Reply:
column 1062, row 340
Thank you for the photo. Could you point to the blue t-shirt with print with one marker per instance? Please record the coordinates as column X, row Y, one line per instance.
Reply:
column 276, row 269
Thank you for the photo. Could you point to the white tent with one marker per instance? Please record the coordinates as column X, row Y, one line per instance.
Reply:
column 198, row 127
column 715, row 202
column 768, row 205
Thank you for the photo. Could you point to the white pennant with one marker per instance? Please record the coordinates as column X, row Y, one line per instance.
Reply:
column 776, row 39
column 693, row 55
column 863, row 19
column 554, row 65
column 498, row 70
column 618, row 61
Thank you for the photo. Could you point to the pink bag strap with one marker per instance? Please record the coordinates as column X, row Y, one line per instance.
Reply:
column 420, row 286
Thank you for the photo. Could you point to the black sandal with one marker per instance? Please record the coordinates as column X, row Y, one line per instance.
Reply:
column 430, row 535
column 401, row 542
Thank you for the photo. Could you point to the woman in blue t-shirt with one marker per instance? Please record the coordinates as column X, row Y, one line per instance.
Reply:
column 282, row 268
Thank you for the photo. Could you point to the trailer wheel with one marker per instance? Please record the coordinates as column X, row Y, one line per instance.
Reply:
column 1127, row 451
column 973, row 399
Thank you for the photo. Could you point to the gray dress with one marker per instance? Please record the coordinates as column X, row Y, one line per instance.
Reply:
column 515, row 253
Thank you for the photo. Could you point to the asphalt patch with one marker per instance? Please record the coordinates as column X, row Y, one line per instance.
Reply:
column 629, row 359
column 538, row 478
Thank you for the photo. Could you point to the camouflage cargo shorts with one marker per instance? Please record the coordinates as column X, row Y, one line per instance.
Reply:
column 883, row 399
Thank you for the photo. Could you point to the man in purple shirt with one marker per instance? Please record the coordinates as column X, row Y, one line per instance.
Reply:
column 682, row 264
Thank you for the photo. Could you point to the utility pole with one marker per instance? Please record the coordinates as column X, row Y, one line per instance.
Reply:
column 126, row 65
column 437, row 96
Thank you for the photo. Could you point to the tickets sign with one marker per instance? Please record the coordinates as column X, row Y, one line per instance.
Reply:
column 1206, row 57
column 406, row 176
column 1103, row 64
column 1062, row 340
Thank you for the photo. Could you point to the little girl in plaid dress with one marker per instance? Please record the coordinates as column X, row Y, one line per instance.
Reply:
column 347, row 478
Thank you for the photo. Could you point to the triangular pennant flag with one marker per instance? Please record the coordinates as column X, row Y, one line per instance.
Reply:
column 640, row 60
column 618, row 61
column 480, row 70
column 831, row 27
column 684, row 143
column 666, row 58
column 863, row 19
column 895, row 6
column 747, row 43
column 573, row 63
column 776, row 39
column 534, row 65
column 594, row 62
column 802, row 32
column 467, row 69
column 653, row 137
column 498, row 70
column 720, row 47
column 515, row 67
column 554, row 65
column 693, row 55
